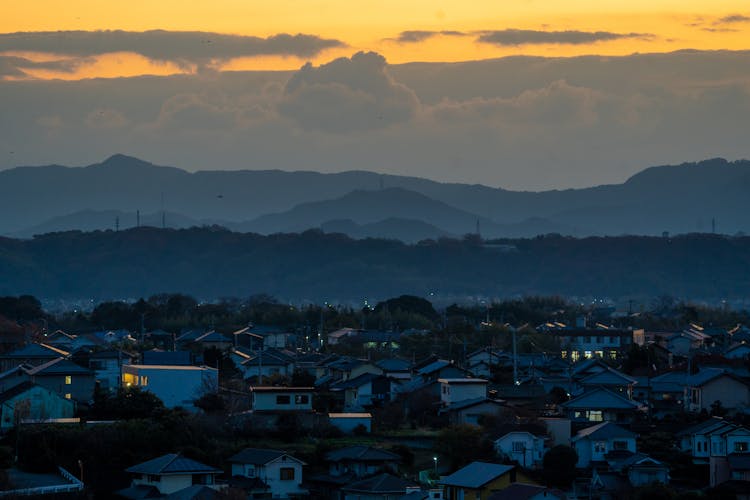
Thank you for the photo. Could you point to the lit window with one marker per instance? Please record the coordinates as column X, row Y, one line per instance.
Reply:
column 68, row 396
column 594, row 415
column 144, row 381
column 599, row 354
column 68, row 380
column 563, row 354
column 740, row 447
column 574, row 356
column 587, row 354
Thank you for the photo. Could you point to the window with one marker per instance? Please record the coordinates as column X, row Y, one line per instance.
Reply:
column 68, row 395
column 613, row 354
column 599, row 354
column 695, row 396
column 587, row 354
column 594, row 415
column 153, row 478
column 301, row 399
column 144, row 381
column 620, row 445
column 250, row 471
column 68, row 380
column 563, row 354
column 518, row 446
column 283, row 399
column 574, row 356
column 286, row 474
column 600, row 447
column 740, row 447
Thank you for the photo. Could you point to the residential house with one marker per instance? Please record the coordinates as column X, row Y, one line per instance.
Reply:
column 107, row 367
column 710, row 385
column 738, row 351
column 643, row 470
column 13, row 377
column 248, row 340
column 383, row 486
column 594, row 443
column 30, row 355
column 280, row 472
column 213, row 340
column 600, row 405
column 395, row 368
column 696, row 439
column 360, row 461
column 454, row 390
column 269, row 362
column 363, row 391
column 175, row 385
column 522, row 447
column 478, row 480
column 470, row 411
column 167, row 358
column 167, row 475
column 66, row 378
column 611, row 379
column 282, row 399
column 29, row 401
column 586, row 343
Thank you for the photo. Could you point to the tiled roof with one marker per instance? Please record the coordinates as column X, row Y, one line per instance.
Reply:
column 382, row 483
column 605, row 430
column 600, row 398
column 36, row 351
column 171, row 463
column 476, row 475
column 59, row 366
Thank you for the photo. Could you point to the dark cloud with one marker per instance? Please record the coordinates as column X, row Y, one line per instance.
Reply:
column 536, row 37
column 733, row 19
column 177, row 46
column 347, row 94
column 414, row 36
column 13, row 66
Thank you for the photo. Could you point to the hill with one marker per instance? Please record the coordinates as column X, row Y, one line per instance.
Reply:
column 212, row 262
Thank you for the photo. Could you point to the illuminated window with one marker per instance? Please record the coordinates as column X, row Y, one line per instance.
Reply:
column 68, row 380
column 563, row 354
column 594, row 415
column 144, row 380
column 599, row 354
column 68, row 396
column 587, row 354
column 575, row 355
column 613, row 354
column 129, row 379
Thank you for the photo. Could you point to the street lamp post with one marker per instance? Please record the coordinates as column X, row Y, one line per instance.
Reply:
column 435, row 460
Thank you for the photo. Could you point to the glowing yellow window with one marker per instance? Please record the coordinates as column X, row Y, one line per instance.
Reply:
column 68, row 379
column 68, row 395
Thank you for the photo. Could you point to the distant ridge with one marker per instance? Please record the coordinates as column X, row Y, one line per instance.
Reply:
column 692, row 197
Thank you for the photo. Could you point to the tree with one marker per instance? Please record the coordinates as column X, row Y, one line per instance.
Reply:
column 559, row 466
column 128, row 403
column 463, row 444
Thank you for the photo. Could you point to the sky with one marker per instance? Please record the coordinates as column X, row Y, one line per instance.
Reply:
column 521, row 94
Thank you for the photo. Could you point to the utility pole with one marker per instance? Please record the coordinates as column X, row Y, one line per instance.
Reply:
column 515, row 359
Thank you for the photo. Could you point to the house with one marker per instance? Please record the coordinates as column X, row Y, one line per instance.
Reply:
column 174, row 385
column 167, row 475
column 611, row 379
column 363, row 391
column 710, row 385
column 348, row 422
column 522, row 447
column 213, row 340
column 478, row 480
column 13, row 377
column 600, row 405
column 454, row 390
column 643, row 470
column 587, row 343
column 696, row 439
column 29, row 401
column 594, row 443
column 361, row 461
column 383, row 486
column 269, row 362
column 31, row 355
column 526, row 491
column 107, row 367
column 738, row 351
column 440, row 368
column 280, row 472
column 470, row 411
column 282, row 399
column 66, row 378
column 395, row 368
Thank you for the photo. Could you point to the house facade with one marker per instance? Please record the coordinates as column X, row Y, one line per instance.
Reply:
column 281, row 472
column 522, row 447
column 174, row 385
column 594, row 443
column 282, row 399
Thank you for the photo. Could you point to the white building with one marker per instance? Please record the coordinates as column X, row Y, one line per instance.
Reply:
column 168, row 474
column 523, row 447
column 453, row 390
column 174, row 385
column 282, row 399
column 280, row 471
column 594, row 443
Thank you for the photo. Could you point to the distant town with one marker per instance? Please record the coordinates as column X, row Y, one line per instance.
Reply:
column 529, row 398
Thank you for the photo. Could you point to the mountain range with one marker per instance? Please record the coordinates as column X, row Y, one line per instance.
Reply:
column 706, row 196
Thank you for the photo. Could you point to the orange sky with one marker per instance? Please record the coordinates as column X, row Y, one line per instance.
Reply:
column 368, row 25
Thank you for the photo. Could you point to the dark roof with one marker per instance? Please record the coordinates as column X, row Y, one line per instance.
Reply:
column 195, row 492
column 248, row 483
column 605, row 430
column 357, row 381
column 381, row 483
column 112, row 354
column 138, row 492
column 167, row 358
column 361, row 453
column 172, row 463
column 59, row 366
column 393, row 365
column 600, row 398
column 523, row 491
column 468, row 403
column 476, row 475
column 213, row 336
column 21, row 388
column 258, row 456
column 35, row 351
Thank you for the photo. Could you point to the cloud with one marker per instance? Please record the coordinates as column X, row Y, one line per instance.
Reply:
column 733, row 19
column 106, row 118
column 346, row 95
column 415, row 36
column 15, row 66
column 176, row 46
column 535, row 37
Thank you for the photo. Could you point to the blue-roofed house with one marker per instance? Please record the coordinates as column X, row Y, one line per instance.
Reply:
column 522, row 447
column 594, row 443
column 709, row 385
column 602, row 405
column 29, row 401
column 31, row 355
column 168, row 475
column 167, row 358
column 107, row 367
column 363, row 391
column 395, row 368
column 280, row 472
column 213, row 339
column 66, row 378
column 611, row 379
column 478, row 480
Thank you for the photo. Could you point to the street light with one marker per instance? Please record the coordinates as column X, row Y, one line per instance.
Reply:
column 435, row 459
